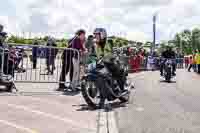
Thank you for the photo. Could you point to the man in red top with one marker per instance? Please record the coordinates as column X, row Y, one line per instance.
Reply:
column 76, row 43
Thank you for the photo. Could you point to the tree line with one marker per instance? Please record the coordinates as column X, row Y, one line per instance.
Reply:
column 187, row 40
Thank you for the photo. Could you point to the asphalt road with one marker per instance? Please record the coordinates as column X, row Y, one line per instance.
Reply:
column 159, row 107
column 154, row 107
column 36, row 113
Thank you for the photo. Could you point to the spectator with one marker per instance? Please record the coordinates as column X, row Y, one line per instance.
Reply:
column 182, row 61
column 34, row 53
column 91, row 49
column 6, row 56
column 90, row 44
column 194, row 62
column 68, row 55
column 191, row 63
column 186, row 60
column 197, row 57
column 51, row 55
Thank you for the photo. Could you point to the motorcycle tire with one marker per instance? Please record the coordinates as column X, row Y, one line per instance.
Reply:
column 86, row 96
column 168, row 76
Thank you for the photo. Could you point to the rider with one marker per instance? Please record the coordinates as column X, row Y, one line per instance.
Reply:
column 168, row 54
column 103, row 49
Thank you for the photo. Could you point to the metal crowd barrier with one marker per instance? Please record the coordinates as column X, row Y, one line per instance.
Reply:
column 137, row 63
column 1, row 61
column 131, row 62
column 40, row 64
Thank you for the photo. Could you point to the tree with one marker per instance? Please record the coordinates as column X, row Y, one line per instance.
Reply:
column 196, row 38
column 183, row 41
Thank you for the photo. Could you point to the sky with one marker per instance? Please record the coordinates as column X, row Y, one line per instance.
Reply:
column 125, row 18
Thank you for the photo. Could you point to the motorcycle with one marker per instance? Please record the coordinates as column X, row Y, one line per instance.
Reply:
column 99, row 85
column 168, row 70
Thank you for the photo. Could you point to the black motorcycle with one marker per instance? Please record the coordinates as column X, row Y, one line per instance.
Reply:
column 168, row 70
column 99, row 85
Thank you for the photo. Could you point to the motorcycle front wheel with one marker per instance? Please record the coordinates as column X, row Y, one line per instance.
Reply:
column 90, row 93
column 168, row 75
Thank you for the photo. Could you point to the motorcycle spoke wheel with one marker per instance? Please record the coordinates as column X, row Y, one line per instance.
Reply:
column 93, row 93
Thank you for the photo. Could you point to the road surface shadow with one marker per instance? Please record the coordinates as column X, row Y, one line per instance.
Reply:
column 71, row 93
column 108, row 107
column 2, row 91
column 163, row 81
column 111, row 106
column 84, row 107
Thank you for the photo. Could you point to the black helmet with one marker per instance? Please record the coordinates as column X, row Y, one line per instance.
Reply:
column 102, row 32
column 90, row 37
column 80, row 31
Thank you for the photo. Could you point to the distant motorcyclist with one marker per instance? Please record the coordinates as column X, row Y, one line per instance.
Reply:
column 168, row 54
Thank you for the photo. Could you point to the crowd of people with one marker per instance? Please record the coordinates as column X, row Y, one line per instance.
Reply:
column 50, row 53
column 193, row 61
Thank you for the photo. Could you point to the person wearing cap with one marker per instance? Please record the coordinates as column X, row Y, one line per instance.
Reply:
column 76, row 43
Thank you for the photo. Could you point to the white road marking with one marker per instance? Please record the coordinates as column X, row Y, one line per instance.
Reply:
column 28, row 130
column 139, row 109
column 112, row 125
column 103, row 122
column 43, row 100
column 68, row 121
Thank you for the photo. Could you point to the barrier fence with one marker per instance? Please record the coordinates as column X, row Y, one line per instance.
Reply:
column 142, row 63
column 41, row 64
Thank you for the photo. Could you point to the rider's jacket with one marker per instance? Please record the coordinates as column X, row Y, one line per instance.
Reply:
column 169, row 54
column 106, row 51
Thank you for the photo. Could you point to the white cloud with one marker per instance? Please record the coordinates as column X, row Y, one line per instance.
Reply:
column 130, row 18
column 137, row 35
